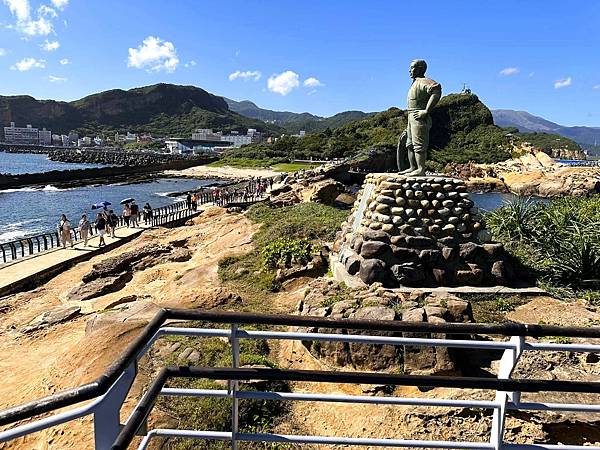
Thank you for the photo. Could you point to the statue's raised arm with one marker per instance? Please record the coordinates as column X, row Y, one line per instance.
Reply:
column 423, row 95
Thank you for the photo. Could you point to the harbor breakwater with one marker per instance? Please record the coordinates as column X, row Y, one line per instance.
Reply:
column 77, row 177
column 117, row 157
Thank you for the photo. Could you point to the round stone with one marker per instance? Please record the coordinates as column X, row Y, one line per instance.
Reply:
column 382, row 208
column 443, row 212
column 449, row 229
column 453, row 194
column 425, row 203
column 457, row 210
column 416, row 186
column 447, row 187
column 405, row 186
column 439, row 222
column 406, row 229
column 419, row 194
column 461, row 188
column 388, row 227
column 425, row 186
column 387, row 192
column 414, row 203
column 421, row 212
column 409, row 193
column 436, row 187
column 397, row 211
column 466, row 217
column 435, row 229
column 435, row 203
column 484, row 236
column 431, row 212
column 461, row 228
column 448, row 203
column 476, row 226
column 383, row 218
column 420, row 231
column 426, row 221
column 453, row 220
column 409, row 212
column 397, row 220
column 400, row 201
column 439, row 180
column 373, row 206
column 374, row 225
column 412, row 221
column 385, row 200
column 440, row 196
column 464, row 194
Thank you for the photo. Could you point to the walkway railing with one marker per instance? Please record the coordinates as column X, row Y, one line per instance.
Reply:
column 163, row 216
column 109, row 391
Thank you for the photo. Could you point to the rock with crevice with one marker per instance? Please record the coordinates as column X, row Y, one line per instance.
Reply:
column 52, row 317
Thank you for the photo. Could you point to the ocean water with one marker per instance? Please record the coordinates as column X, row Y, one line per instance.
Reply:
column 20, row 163
column 37, row 210
column 488, row 201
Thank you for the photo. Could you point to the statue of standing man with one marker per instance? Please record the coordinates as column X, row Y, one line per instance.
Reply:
column 423, row 95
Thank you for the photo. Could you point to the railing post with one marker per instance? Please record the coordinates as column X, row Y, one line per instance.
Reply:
column 233, row 386
column 508, row 362
column 107, row 416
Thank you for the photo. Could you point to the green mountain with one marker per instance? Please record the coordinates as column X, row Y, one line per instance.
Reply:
column 294, row 122
column 160, row 109
column 463, row 130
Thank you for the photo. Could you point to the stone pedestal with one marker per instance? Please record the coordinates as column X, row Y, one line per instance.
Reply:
column 419, row 232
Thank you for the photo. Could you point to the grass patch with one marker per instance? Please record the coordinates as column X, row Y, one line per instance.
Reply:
column 293, row 167
column 248, row 275
column 493, row 308
column 256, row 416
column 247, row 163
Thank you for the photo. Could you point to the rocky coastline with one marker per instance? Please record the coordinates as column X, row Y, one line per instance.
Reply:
column 533, row 174
column 117, row 157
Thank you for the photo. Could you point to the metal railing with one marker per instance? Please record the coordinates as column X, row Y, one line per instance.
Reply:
column 110, row 390
column 163, row 216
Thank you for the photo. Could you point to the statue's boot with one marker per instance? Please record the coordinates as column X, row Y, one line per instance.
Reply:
column 420, row 158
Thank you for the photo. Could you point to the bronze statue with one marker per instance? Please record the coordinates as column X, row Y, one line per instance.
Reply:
column 423, row 95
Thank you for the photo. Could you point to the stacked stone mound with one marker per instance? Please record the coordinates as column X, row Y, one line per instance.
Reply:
column 327, row 298
column 419, row 232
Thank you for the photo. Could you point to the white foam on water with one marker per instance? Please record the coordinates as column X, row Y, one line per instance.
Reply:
column 11, row 235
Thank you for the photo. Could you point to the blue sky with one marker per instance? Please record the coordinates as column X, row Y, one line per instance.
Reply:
column 318, row 56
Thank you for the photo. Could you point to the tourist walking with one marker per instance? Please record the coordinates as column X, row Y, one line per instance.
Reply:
column 113, row 220
column 195, row 201
column 147, row 213
column 135, row 211
column 84, row 229
column 188, row 201
column 126, row 214
column 101, row 227
column 64, row 228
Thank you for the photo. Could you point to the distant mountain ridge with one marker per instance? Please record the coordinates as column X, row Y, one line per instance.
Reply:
column 161, row 109
column 528, row 123
column 294, row 122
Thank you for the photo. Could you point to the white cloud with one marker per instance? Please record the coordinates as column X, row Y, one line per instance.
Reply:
column 596, row 86
column 54, row 79
column 60, row 4
column 192, row 63
column 50, row 46
column 154, row 55
column 246, row 75
column 312, row 82
column 563, row 82
column 2, row 52
column 284, row 83
column 28, row 63
column 46, row 11
column 508, row 71
column 314, row 91
column 21, row 10
column 64, row 61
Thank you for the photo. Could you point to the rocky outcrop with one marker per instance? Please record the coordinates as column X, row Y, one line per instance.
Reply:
column 52, row 317
column 112, row 274
column 327, row 298
column 533, row 174
column 419, row 232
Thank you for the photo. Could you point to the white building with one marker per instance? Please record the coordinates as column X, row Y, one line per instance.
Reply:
column 206, row 134
column 20, row 135
column 98, row 141
column 45, row 137
column 181, row 146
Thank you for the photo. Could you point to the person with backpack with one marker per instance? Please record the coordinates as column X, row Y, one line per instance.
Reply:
column 126, row 214
column 85, row 227
column 135, row 211
column 101, row 227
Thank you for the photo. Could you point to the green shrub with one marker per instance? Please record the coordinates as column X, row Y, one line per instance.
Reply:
column 285, row 252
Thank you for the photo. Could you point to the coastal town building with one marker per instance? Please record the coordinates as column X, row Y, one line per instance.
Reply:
column 206, row 134
column 182, row 146
column 21, row 135
column 234, row 139
column 45, row 137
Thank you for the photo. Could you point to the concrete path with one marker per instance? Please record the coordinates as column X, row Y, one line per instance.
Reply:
column 32, row 270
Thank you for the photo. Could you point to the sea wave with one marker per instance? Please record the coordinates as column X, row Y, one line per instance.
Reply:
column 11, row 235
column 47, row 188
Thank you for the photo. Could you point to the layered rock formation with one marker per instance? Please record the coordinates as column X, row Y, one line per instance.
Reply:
column 327, row 298
column 419, row 231
column 535, row 174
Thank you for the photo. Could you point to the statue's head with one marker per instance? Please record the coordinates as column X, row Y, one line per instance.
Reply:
column 418, row 67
